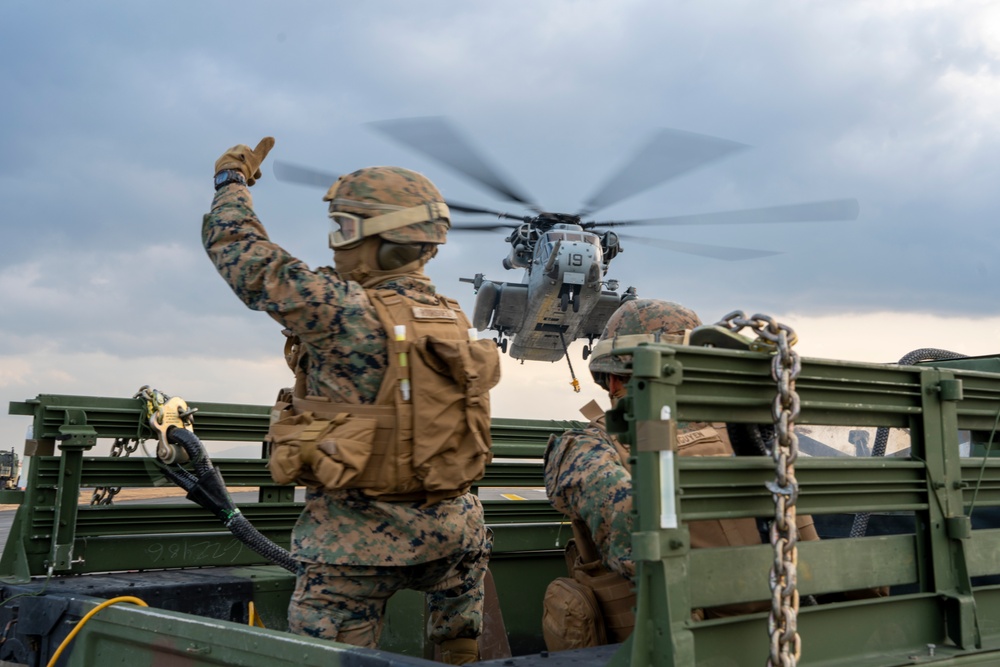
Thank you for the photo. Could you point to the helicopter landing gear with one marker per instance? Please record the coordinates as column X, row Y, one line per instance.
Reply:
column 501, row 343
column 569, row 297
column 588, row 348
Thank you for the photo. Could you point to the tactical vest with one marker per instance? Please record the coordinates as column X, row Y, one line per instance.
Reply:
column 427, row 435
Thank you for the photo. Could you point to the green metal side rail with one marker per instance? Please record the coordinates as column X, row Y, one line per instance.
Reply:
column 934, row 402
column 226, row 422
column 52, row 529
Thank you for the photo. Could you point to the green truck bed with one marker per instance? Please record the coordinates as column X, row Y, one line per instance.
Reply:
column 942, row 566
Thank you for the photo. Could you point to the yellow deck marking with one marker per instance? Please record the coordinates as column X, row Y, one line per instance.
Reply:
column 512, row 496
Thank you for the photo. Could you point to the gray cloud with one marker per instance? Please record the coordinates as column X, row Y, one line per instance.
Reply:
column 114, row 114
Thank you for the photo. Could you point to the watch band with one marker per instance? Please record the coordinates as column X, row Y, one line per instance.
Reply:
column 227, row 176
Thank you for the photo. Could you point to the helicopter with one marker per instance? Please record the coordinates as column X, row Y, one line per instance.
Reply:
column 564, row 293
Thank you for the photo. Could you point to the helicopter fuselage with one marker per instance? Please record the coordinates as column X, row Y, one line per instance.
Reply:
column 561, row 297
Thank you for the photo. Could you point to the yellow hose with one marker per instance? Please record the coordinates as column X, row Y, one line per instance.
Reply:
column 87, row 617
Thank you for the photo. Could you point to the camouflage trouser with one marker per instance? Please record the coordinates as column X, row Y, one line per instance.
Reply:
column 346, row 603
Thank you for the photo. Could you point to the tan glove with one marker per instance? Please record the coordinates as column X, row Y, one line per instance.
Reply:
column 244, row 160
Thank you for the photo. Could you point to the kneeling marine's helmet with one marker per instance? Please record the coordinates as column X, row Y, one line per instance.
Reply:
column 638, row 321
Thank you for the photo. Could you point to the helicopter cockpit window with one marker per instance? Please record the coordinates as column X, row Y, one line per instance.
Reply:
column 552, row 237
column 544, row 250
column 579, row 237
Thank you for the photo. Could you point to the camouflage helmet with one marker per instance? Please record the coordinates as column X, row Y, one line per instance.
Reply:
column 377, row 192
column 639, row 321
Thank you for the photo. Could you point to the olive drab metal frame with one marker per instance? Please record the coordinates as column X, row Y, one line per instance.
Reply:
column 948, row 616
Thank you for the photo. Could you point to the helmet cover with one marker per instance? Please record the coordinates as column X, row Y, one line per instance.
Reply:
column 640, row 320
column 375, row 191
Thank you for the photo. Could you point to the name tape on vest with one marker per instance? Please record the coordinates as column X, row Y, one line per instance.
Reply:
column 424, row 313
column 694, row 436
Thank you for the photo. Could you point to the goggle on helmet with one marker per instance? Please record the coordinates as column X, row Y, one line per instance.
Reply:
column 349, row 229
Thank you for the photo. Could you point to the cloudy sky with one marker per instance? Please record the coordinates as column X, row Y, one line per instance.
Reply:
column 113, row 114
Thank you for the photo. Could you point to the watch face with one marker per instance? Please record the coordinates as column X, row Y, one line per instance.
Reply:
column 228, row 176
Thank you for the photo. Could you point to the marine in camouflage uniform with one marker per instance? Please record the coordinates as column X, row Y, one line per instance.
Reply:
column 587, row 475
column 355, row 552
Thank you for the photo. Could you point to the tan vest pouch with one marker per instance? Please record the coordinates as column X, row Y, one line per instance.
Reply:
column 615, row 596
column 452, row 379
column 381, row 469
column 284, row 462
column 571, row 617
column 318, row 450
column 593, row 595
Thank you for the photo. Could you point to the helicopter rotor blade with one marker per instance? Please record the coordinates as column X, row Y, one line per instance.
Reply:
column 667, row 155
column 726, row 253
column 291, row 173
column 436, row 138
column 820, row 211
column 470, row 208
column 474, row 227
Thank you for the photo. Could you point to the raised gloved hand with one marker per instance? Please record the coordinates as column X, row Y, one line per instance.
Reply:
column 244, row 160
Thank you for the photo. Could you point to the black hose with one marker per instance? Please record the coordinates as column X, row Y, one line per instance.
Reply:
column 192, row 445
column 178, row 476
column 860, row 526
column 208, row 489
column 241, row 527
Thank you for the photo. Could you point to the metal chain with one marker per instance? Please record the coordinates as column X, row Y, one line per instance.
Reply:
column 786, row 645
column 122, row 447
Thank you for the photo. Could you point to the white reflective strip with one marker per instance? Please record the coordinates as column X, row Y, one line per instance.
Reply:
column 668, row 505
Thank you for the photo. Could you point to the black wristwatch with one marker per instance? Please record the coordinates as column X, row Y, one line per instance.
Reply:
column 227, row 176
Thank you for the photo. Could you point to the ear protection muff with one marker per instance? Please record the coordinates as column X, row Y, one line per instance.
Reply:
column 391, row 256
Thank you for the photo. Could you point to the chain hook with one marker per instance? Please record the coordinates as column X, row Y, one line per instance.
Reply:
column 164, row 413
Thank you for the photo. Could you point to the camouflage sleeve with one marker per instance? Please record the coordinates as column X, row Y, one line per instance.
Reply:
column 585, row 479
column 261, row 273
